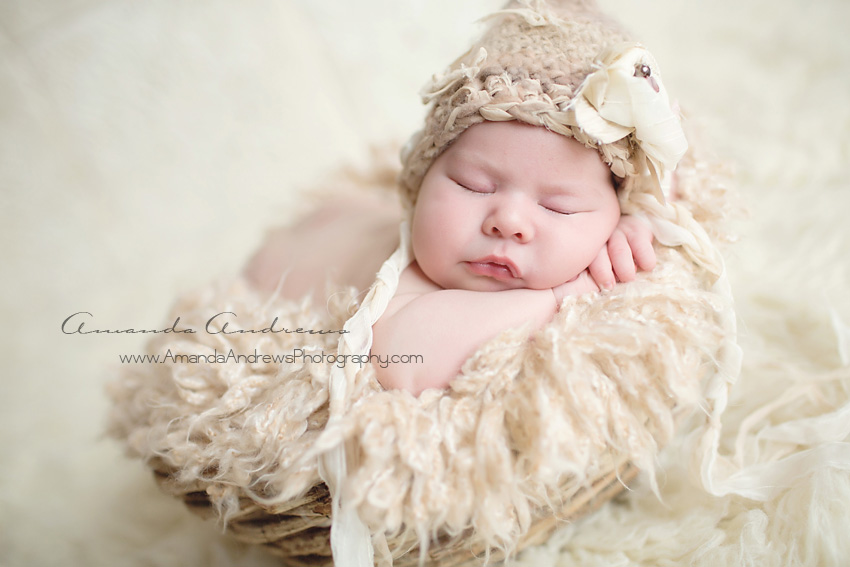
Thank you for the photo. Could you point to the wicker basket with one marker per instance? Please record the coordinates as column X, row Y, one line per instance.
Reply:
column 300, row 530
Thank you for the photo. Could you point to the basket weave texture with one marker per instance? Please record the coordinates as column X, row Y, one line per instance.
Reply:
column 300, row 530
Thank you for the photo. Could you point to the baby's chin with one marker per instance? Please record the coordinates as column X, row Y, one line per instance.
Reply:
column 483, row 283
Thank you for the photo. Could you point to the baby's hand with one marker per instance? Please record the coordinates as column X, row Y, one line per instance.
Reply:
column 582, row 283
column 628, row 249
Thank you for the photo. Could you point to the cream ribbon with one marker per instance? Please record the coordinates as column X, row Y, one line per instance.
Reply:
column 351, row 540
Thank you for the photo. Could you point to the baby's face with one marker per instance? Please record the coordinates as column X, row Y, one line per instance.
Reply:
column 511, row 206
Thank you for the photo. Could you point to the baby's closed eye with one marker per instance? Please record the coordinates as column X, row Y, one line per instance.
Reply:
column 473, row 186
column 558, row 209
column 564, row 205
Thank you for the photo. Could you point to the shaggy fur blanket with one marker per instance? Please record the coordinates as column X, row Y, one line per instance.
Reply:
column 146, row 147
column 533, row 418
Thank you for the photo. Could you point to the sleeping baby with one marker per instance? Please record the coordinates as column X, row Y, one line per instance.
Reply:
column 509, row 220
column 511, row 195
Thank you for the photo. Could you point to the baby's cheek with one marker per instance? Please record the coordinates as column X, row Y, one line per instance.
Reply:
column 571, row 256
column 426, row 254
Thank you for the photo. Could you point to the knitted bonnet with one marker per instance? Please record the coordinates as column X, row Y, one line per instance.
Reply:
column 564, row 66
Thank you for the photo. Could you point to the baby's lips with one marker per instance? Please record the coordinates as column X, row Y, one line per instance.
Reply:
column 495, row 270
column 500, row 261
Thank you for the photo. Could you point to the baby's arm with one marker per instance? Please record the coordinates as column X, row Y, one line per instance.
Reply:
column 446, row 326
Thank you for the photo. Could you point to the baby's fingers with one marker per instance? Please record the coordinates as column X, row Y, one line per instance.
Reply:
column 601, row 270
column 640, row 242
column 638, row 233
column 644, row 255
column 583, row 283
column 620, row 252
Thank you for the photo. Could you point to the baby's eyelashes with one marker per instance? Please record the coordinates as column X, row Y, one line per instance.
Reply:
column 475, row 188
column 557, row 210
column 556, row 207
column 563, row 208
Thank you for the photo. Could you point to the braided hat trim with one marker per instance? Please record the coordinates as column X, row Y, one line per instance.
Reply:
column 620, row 108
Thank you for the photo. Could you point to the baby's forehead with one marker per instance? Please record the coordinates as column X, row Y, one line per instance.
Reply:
column 514, row 150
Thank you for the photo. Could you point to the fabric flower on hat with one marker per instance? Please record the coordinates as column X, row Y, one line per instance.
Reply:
column 625, row 96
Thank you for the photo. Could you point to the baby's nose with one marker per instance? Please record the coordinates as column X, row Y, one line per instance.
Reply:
column 508, row 221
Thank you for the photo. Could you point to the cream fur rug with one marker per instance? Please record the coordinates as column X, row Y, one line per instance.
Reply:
column 145, row 146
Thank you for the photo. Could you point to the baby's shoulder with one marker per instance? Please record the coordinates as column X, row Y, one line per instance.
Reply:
column 412, row 284
column 413, row 280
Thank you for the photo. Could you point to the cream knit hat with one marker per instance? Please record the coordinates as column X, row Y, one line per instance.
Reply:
column 564, row 66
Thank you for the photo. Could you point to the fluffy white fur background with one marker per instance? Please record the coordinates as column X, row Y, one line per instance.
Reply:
column 146, row 145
